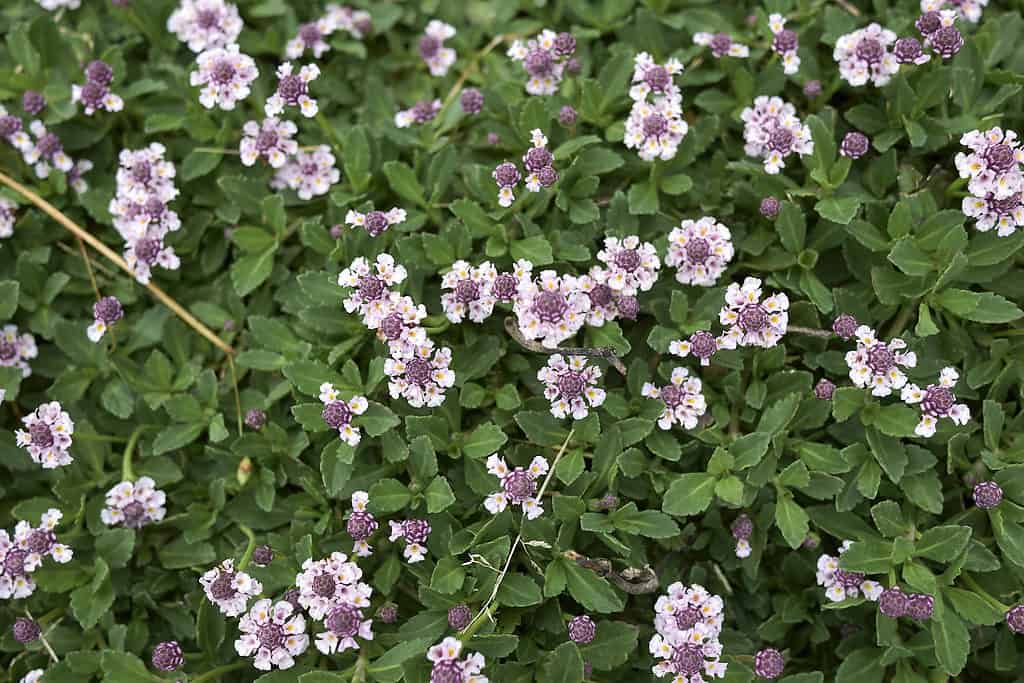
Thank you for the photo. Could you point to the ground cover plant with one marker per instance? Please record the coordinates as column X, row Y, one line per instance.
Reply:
column 613, row 340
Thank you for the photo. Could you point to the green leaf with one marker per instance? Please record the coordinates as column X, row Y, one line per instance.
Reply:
column 377, row 419
column 439, row 495
column 448, row 575
column 176, row 436
column 649, row 523
column 889, row 453
column 403, row 181
column 123, row 667
column 389, row 495
column 389, row 665
column 563, row 665
column 951, row 639
column 972, row 607
column 909, row 258
column 252, row 270
column 1010, row 537
column 840, row 211
column 792, row 521
column 116, row 546
column 792, row 227
column 519, row 590
column 643, row 199
column 485, row 440
column 943, row 543
column 984, row 307
column 536, row 250
column 689, row 494
column 612, row 646
column 861, row 666
column 8, row 299
column 870, row 557
column 590, row 590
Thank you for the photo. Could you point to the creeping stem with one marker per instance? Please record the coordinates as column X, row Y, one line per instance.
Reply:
column 249, row 548
column 606, row 352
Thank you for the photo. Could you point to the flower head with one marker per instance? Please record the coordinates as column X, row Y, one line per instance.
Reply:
column 449, row 668
column 721, row 45
column 397, row 319
column 785, row 43
column 370, row 282
column 17, row 349
column 309, row 173
column 311, row 37
column 605, row 304
column 656, row 128
column 908, row 51
column 937, row 401
column 420, row 374
column 472, row 101
column 224, row 74
column 993, row 164
column 752, row 322
column 699, row 251
column 133, row 505
column 1006, row 215
column 230, row 590
column 338, row 413
column 632, row 266
column 545, row 58
column 845, row 325
column 987, row 494
column 437, row 57
column 684, row 402
column 876, row 365
column 571, row 386
column 701, row 344
column 167, row 656
column 651, row 78
column 95, row 93
column 329, row 582
column 518, row 486
column 742, row 528
column 272, row 634
column 551, row 308
column 582, row 629
column 854, row 145
column 270, row 140
column 840, row 584
column 343, row 623
column 768, row 663
column 1015, row 618
column 968, row 10
column 470, row 292
column 105, row 313
column 25, row 630
column 293, row 90
column 415, row 532
column 688, row 620
column 46, row 152
column 205, row 24
column 773, row 131
column 355, row 22
column 864, row 56
column 47, row 435
column 7, row 217
column 422, row 112
column 22, row 555
column 361, row 524
column 824, row 389
column 459, row 616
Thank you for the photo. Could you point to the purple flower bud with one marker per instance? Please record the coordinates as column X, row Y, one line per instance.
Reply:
column 869, row 50
column 167, row 656
column 629, row 306
column 9, row 125
column 1015, row 618
column 785, row 41
column 920, row 606
column 388, row 613
column 721, row 43
column 812, row 88
column 547, row 176
column 565, row 44
column 573, row 66
column 928, row 23
column 263, row 555
column 702, row 342
column 32, row 102
column 459, row 617
column 742, row 527
column 824, row 389
column 361, row 525
column 770, row 207
column 539, row 63
column 845, row 326
column 811, row 541
column 567, row 116
column 657, row 78
column 854, row 145
column 255, row 419
column 99, row 72
column 337, row 230
column 429, row 45
column 472, row 101
column 229, row 325
column 108, row 310
column 493, row 139
column 987, row 495
column 947, row 41
column 25, row 630
column 609, row 502
column 375, row 223
column 768, row 663
column 907, row 50
column 893, row 602
column 582, row 629
column 537, row 158
column 337, row 414
column 291, row 596
column 506, row 175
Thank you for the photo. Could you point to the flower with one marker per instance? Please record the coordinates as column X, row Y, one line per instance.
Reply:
column 507, row 176
column 824, row 389
column 95, row 94
column 22, row 555
column 309, row 173
column 702, row 344
column 539, row 163
column 51, row 6
column 422, row 112
column 133, row 505
column 937, row 401
column 329, row 582
column 17, row 349
column 205, row 24
column 167, row 656
column 605, row 304
column 993, row 165
column 343, row 623
column 920, row 606
column 35, row 675
column 772, row 131
column 142, row 254
column 470, row 294
column 969, row 10
column 47, row 435
column 229, row 590
column 946, row 42
column 1007, row 214
column 785, row 43
column 571, row 386
column 459, row 616
column 651, row 78
column 769, row 207
column 632, row 266
column 987, row 494
column 864, row 56
column 361, row 524
column 929, row 23
column 721, row 45
column 397, row 319
column 518, row 486
column 876, row 364
column 683, row 400
column 415, row 532
column 582, row 629
column 655, row 129
column 699, row 251
column 908, row 51
column 506, row 286
column 420, row 374
column 105, row 313
column 812, row 88
column 688, row 621
column 46, row 153
column 752, row 322
column 893, row 602
column 768, row 663
column 7, row 217
column 270, row 140
column 273, row 634
column 338, row 414
column 255, row 419
column 567, row 116
column 311, row 37
column 551, row 308
column 448, row 668
column 388, row 613
column 854, row 145
column 545, row 59
column 262, row 555
column 356, row 22
column 11, row 131
column 368, row 283
column 437, row 57
column 1015, row 618
column 841, row 584
column 25, row 630
column 741, row 529
column 293, row 91
column 845, row 325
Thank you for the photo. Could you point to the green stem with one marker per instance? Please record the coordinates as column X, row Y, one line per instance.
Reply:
column 215, row 674
column 902, row 319
column 247, row 556
column 359, row 674
column 127, row 473
column 475, row 625
column 983, row 594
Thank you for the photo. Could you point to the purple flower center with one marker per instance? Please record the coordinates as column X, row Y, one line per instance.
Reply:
column 937, row 401
column 657, row 78
column 375, row 223
column 49, row 145
column 519, row 485
column 855, row 144
column 907, row 50
column 506, row 175
column 582, row 629
column 266, row 140
column 565, row 44
column 361, row 525
column 547, row 176
column 223, row 72
column 142, row 171
column 781, row 140
column 416, row 530
column 570, row 385
column 343, row 621
column 627, row 259
column 41, row 541
column 845, row 326
column 655, row 125
column 134, row 515
column 505, row 286
column 824, row 389
column 536, row 158
column 688, row 660
column 768, row 663
column 98, row 71
column 424, row 111
column 601, row 295
column 167, row 656
column 893, row 603
column 446, row 671
column 720, row 44
column 392, row 326
column 881, row 359
column 629, row 307
column 32, row 102
column 8, row 351
column 672, row 395
column 207, row 19
column 702, row 344
column 14, row 563
column 337, row 415
column 929, row 23
column 686, row 618
column 155, row 208
column 1000, row 157
column 550, row 307
column 785, row 41
column 698, row 250
column 418, row 371
column 310, row 34
column 920, row 607
column 223, row 587
column 147, row 250
column 271, row 636
column 291, row 88
column 753, row 318
column 539, row 63
column 459, row 617
column 370, row 288
column 9, row 125
column 467, row 291
column 1003, row 207
column 92, row 94
column 108, row 309
column 869, row 50
column 742, row 527
column 849, row 579
column 41, row 434
column 323, row 585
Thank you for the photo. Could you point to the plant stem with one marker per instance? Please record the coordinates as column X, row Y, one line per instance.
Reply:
column 127, row 473
column 901, row 319
column 606, row 352
column 824, row 334
column 42, row 639
column 249, row 548
column 238, row 400
column 215, row 674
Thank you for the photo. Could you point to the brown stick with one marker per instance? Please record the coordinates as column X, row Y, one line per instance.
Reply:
column 606, row 352
column 632, row 580
column 87, row 237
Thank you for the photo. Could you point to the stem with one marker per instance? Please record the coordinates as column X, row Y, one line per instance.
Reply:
column 901, row 320
column 606, row 352
column 814, row 332
column 249, row 548
column 107, row 252
column 42, row 639
column 473, row 65
column 983, row 594
column 238, row 400
column 127, row 473
column 215, row 674
column 359, row 673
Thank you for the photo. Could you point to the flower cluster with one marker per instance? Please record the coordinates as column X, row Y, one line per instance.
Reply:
column 876, row 364
column 551, row 308
column 272, row 634
column 840, row 584
column 655, row 126
column 47, row 435
column 330, row 590
column 422, row 112
column 540, row 170
column 420, row 374
column 772, row 131
column 995, row 181
column 361, row 524
column 969, row 10
column 701, row 344
column 7, row 217
column 105, row 313
column 17, row 349
column 270, row 140
column 699, row 251
column 205, row 24
column 940, row 32
column 311, row 35
column 145, row 187
column 448, row 667
column 338, row 414
column 470, row 292
column 293, row 91
column 684, row 402
column 415, row 533
column 133, row 505
column 688, row 621
column 545, row 58
column 741, row 529
column 95, row 94
column 375, row 222
column 864, row 56
column 571, row 386
column 631, row 266
column 721, row 45
column 397, row 320
column 310, row 173
column 228, row 589
column 606, row 304
column 45, row 152
column 937, row 401
column 894, row 603
column 224, row 74
column 437, row 57
column 518, row 486
column 23, row 554
column 752, row 322
column 785, row 43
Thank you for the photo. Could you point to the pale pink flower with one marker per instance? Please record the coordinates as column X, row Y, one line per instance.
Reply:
column 772, row 132
column 864, row 56
column 420, row 374
column 876, row 364
column 470, row 294
column 684, row 402
column 273, row 634
column 224, row 74
column 309, row 173
column 370, row 282
column 937, row 401
column 840, row 584
column 551, row 308
column 993, row 164
column 518, row 486
column 270, row 140
column 571, row 386
column 752, row 322
column 700, row 251
column 47, row 435
column 432, row 50
column 228, row 589
column 632, row 265
column 449, row 668
column 293, row 90
column 205, row 24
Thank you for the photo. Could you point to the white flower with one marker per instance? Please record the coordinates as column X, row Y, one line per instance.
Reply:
column 338, row 414
column 375, row 222
column 864, row 56
column 309, row 173
column 370, row 283
column 876, row 365
column 270, row 140
column 437, row 57
column 205, row 24
column 684, row 402
column 448, row 667
column 571, row 386
column 518, row 486
column 752, row 322
column 420, row 374
column 655, row 129
column 551, row 308
column 470, row 294
column 272, row 634
column 700, row 251
column 228, row 589
column 840, row 584
column 47, row 435
column 993, row 166
column 937, row 401
column 293, row 90
column 1006, row 215
column 632, row 265
column 134, row 504
column 772, row 132
column 224, row 74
